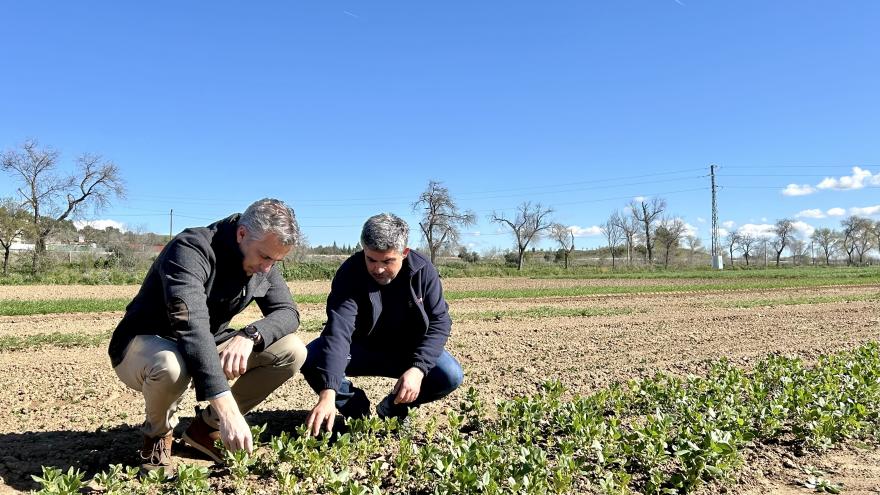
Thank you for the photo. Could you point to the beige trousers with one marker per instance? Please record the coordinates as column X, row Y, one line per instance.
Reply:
column 154, row 366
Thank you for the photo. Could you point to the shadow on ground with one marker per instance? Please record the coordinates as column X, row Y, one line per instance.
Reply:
column 24, row 454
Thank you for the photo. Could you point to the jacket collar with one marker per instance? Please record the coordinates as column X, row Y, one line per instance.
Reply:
column 227, row 246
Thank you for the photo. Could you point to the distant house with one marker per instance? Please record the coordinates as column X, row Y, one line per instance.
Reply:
column 22, row 246
column 18, row 245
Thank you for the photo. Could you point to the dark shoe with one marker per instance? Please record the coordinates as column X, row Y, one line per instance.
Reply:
column 388, row 409
column 357, row 406
column 200, row 436
column 156, row 453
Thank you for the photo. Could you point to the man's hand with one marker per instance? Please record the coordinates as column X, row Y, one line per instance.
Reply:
column 235, row 356
column 323, row 413
column 234, row 430
column 408, row 386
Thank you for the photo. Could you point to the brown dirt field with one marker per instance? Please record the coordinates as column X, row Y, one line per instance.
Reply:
column 66, row 406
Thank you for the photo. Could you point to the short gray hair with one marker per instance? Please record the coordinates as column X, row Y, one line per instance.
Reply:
column 270, row 215
column 383, row 232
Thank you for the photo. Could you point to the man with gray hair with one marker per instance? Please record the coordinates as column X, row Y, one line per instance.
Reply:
column 386, row 316
column 176, row 330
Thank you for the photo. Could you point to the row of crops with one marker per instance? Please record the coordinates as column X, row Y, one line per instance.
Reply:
column 663, row 435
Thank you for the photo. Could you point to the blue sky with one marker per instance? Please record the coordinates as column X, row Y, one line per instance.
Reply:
column 345, row 109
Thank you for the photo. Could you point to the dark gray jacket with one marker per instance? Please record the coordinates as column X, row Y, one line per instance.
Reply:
column 354, row 306
column 193, row 289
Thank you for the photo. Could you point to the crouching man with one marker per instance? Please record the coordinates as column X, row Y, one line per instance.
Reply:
column 177, row 329
column 386, row 316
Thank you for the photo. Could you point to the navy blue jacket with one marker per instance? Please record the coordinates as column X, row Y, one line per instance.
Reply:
column 354, row 306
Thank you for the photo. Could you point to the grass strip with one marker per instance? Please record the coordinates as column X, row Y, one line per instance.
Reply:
column 52, row 306
column 539, row 312
column 793, row 301
column 634, row 289
column 707, row 273
column 56, row 339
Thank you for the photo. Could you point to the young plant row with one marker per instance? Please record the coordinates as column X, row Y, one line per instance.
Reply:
column 662, row 435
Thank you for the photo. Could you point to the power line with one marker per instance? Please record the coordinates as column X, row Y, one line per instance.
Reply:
column 723, row 167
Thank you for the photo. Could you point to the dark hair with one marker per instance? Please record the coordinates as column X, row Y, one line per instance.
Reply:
column 383, row 232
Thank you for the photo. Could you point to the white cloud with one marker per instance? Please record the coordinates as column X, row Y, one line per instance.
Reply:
column 859, row 179
column 798, row 190
column 836, row 212
column 690, row 229
column 585, row 232
column 804, row 229
column 867, row 211
column 701, row 220
column 814, row 213
column 100, row 224
column 723, row 232
column 729, row 224
column 639, row 199
column 757, row 230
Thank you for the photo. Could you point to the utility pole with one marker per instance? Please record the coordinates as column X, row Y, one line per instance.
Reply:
column 171, row 224
column 717, row 261
column 765, row 252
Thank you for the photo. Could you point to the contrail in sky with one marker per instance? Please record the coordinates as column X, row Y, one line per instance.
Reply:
column 356, row 17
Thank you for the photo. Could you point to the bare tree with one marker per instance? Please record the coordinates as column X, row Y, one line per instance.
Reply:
column 693, row 244
column 529, row 222
column 628, row 226
column 441, row 219
column 849, row 233
column 647, row 212
column 784, row 231
column 863, row 238
column 798, row 250
column 827, row 240
column 668, row 234
column 52, row 198
column 732, row 243
column 746, row 242
column 613, row 231
column 13, row 223
column 565, row 238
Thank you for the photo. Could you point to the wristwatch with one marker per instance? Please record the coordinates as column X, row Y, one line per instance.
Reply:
column 252, row 333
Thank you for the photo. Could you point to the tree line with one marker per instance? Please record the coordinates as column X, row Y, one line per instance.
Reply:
column 856, row 237
column 49, row 199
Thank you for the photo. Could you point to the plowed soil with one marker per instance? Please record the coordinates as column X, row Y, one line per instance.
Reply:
column 66, row 407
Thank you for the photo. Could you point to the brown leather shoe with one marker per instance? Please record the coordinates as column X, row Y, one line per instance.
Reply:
column 156, row 453
column 201, row 437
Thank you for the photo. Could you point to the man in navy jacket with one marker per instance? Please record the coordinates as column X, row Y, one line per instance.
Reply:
column 386, row 316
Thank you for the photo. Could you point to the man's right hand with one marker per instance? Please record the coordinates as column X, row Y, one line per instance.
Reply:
column 234, row 430
column 324, row 413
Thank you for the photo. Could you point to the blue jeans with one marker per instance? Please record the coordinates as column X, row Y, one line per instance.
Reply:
column 372, row 360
